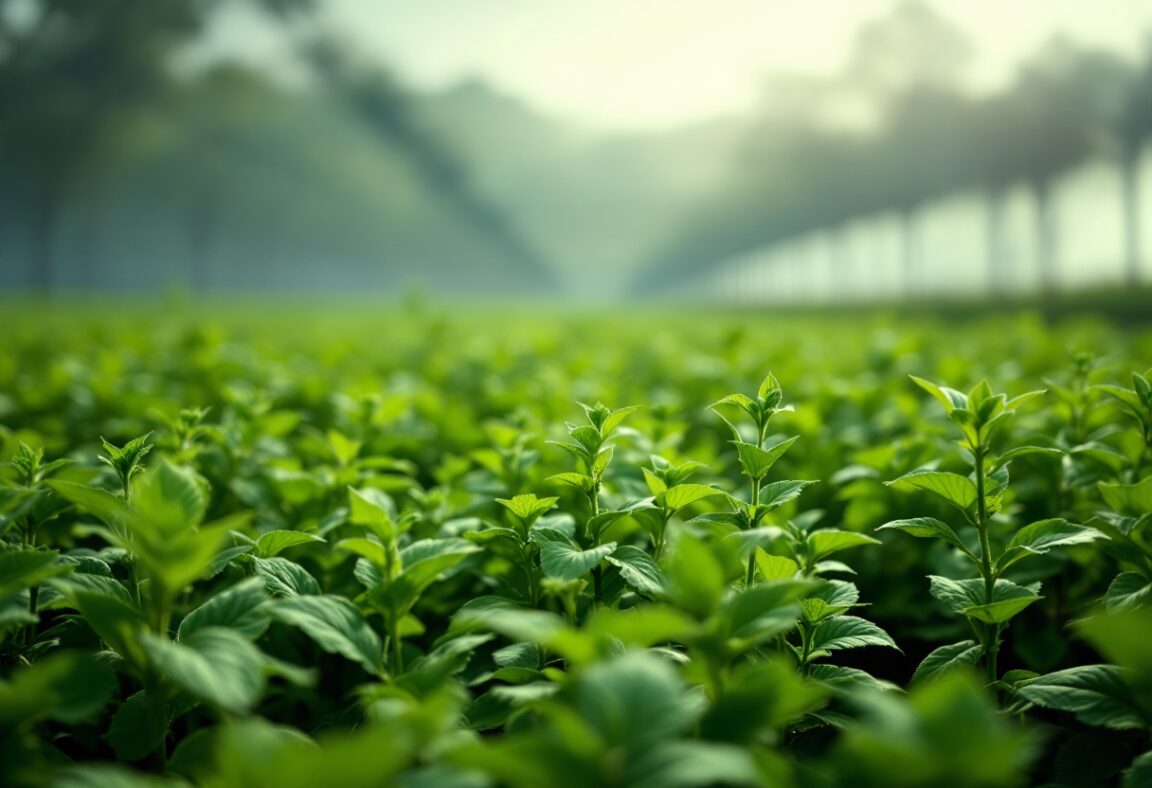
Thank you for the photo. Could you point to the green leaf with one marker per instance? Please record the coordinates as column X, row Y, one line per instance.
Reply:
column 755, row 614
column 169, row 498
column 756, row 462
column 372, row 509
column 615, row 418
column 968, row 598
column 687, row 763
column 696, row 574
column 580, row 481
column 285, row 578
column 1139, row 774
column 928, row 528
column 1040, row 537
column 66, row 686
column 656, row 485
column 568, row 563
column 824, row 543
column 759, row 698
column 527, row 507
column 112, row 511
column 841, row 632
column 1128, row 499
column 138, row 728
column 214, row 664
column 1129, row 590
column 638, row 569
column 946, row 658
column 275, row 542
column 949, row 398
column 633, row 702
column 952, row 487
column 20, row 569
column 335, row 625
column 117, row 622
column 676, row 498
column 776, row 494
column 775, row 567
column 1022, row 451
column 1097, row 694
column 423, row 562
column 426, row 559
column 366, row 548
column 238, row 608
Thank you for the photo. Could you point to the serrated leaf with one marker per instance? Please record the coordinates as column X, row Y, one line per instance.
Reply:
column 568, row 563
column 775, row 567
column 775, row 494
column 843, row 632
column 285, row 578
column 826, row 542
column 335, row 625
column 1129, row 590
column 1096, row 694
column 527, row 507
column 676, row 498
column 275, row 542
column 756, row 462
column 237, row 608
column 580, row 481
column 952, row 487
column 928, row 528
column 1040, row 537
column 638, row 569
column 946, row 658
column 968, row 597
column 214, row 664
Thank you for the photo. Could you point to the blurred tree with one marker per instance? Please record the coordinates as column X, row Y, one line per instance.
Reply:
column 71, row 73
column 375, row 97
column 1133, row 127
column 1053, row 120
column 925, row 154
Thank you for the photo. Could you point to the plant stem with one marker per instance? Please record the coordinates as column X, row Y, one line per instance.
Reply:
column 754, row 521
column 991, row 631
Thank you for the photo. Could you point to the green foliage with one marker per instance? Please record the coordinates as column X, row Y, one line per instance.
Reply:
column 387, row 551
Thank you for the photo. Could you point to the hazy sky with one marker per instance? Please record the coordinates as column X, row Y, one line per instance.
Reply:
column 636, row 64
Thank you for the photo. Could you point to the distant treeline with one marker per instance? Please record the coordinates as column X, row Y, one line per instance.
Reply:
column 926, row 137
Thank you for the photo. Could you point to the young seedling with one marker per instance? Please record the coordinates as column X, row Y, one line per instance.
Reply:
column 989, row 601
column 671, row 493
column 756, row 460
column 395, row 575
column 127, row 460
column 589, row 444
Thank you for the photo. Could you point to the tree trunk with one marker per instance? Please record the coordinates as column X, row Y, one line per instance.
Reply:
column 1130, row 193
column 1046, row 242
column 998, row 267
column 910, row 252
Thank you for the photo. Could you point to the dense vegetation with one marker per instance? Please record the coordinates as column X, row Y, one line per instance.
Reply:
column 342, row 550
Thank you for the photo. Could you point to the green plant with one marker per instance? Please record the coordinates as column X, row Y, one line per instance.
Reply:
column 989, row 601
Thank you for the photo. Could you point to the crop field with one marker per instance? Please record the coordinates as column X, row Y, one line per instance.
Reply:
column 457, row 549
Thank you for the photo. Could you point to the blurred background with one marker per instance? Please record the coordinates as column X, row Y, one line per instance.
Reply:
column 734, row 151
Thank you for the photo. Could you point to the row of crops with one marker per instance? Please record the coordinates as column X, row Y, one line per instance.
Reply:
column 496, row 550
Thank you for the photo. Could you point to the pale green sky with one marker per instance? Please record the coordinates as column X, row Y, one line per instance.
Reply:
column 643, row 64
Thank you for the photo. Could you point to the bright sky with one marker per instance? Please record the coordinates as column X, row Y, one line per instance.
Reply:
column 643, row 64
